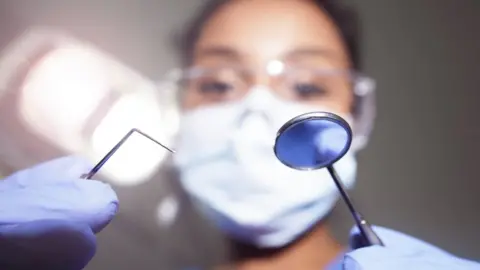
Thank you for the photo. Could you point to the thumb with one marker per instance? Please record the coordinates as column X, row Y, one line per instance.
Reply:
column 53, row 171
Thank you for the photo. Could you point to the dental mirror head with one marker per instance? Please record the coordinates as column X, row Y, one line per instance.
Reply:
column 313, row 141
column 317, row 140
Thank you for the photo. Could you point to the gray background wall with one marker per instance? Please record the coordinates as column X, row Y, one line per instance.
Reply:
column 420, row 172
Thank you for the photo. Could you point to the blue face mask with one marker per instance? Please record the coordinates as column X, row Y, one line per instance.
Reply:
column 226, row 161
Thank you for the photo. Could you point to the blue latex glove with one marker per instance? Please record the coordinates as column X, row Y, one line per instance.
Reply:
column 403, row 252
column 49, row 216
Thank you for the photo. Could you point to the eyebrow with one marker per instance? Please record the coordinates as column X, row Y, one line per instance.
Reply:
column 231, row 54
column 309, row 52
column 219, row 51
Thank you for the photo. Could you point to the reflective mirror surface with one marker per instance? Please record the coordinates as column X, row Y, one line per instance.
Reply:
column 313, row 140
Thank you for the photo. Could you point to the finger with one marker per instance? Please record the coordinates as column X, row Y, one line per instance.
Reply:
column 57, row 170
column 87, row 202
column 97, row 203
column 47, row 244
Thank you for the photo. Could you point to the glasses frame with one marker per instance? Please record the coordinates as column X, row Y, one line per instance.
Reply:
column 363, row 87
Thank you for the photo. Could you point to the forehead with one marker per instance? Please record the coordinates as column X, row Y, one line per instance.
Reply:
column 262, row 30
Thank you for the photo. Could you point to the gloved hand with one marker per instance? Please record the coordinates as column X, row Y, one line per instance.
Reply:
column 403, row 252
column 49, row 216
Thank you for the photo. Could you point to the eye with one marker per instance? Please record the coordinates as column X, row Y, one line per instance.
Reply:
column 309, row 90
column 214, row 87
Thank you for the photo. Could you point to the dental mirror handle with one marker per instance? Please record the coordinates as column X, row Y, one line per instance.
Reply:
column 368, row 236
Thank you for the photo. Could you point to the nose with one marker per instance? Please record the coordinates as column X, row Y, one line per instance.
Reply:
column 257, row 104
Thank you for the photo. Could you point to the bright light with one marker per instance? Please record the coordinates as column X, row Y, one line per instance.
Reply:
column 61, row 92
column 275, row 67
column 82, row 101
column 167, row 211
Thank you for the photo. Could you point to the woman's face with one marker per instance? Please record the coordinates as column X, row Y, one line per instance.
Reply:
column 251, row 35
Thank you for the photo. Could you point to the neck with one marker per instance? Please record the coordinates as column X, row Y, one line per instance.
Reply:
column 314, row 251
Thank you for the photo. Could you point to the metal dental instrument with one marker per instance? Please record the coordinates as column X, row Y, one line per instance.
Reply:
column 102, row 162
column 317, row 140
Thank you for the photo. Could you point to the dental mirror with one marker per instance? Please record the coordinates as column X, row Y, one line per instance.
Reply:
column 315, row 141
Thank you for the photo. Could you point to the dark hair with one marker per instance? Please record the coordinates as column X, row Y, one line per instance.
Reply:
column 345, row 18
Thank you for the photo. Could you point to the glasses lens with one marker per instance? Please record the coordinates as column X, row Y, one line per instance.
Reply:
column 213, row 86
column 310, row 86
column 313, row 87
